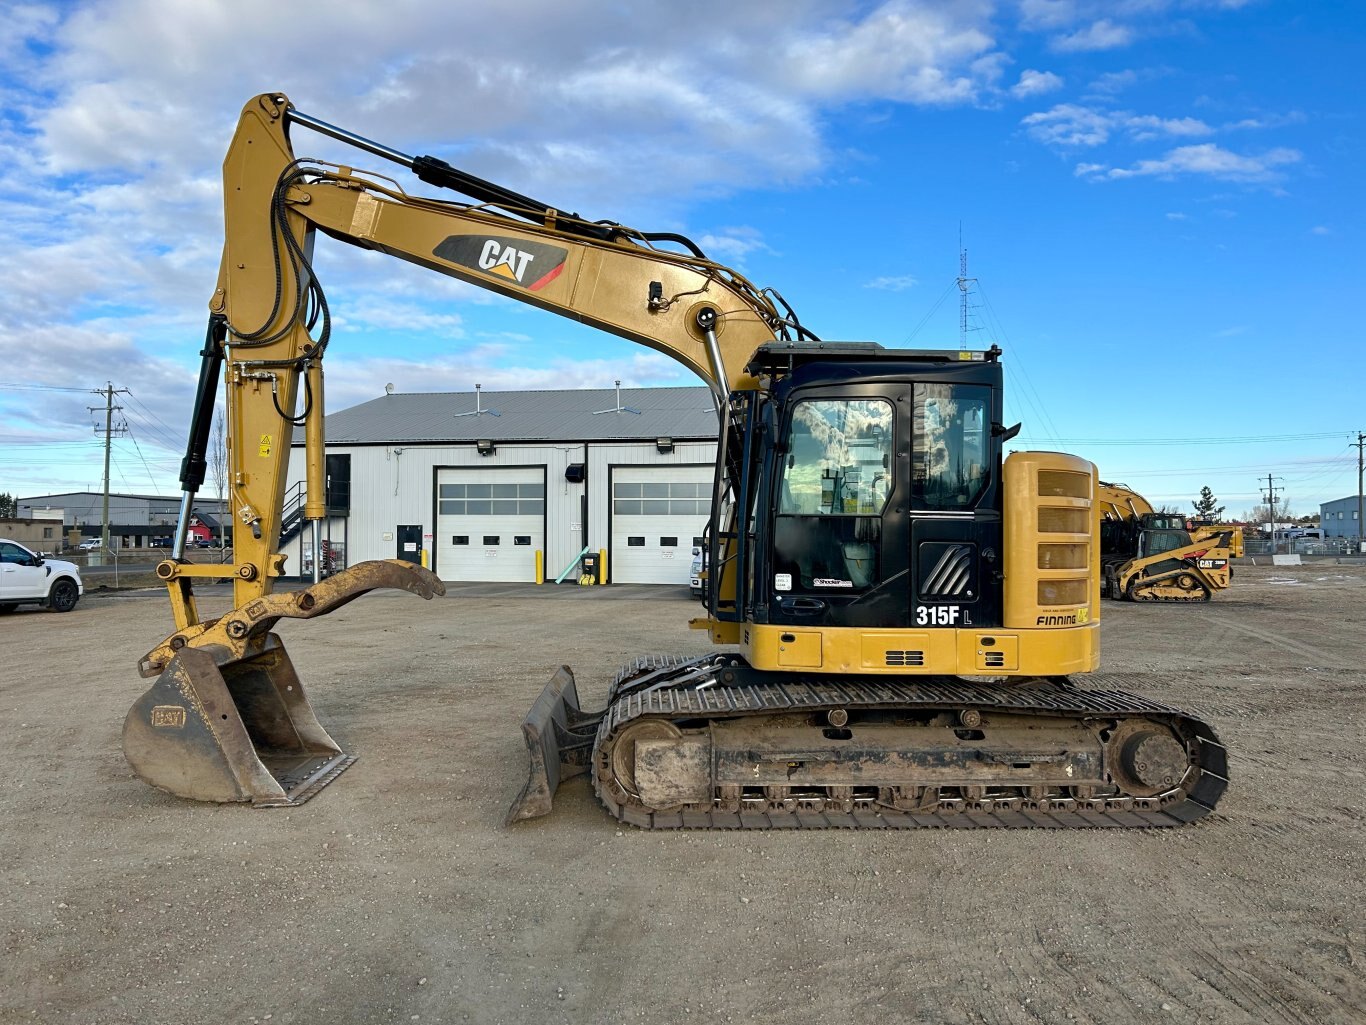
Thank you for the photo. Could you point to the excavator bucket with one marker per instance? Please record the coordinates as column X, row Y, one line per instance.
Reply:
column 559, row 738
column 243, row 731
column 228, row 719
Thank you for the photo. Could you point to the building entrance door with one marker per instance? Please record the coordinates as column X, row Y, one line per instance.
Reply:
column 410, row 543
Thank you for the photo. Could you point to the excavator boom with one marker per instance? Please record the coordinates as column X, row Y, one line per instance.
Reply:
column 269, row 329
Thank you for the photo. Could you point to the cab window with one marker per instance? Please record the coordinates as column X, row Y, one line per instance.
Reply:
column 838, row 458
column 949, row 444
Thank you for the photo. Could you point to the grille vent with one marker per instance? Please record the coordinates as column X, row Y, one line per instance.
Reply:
column 905, row 658
column 951, row 575
column 994, row 659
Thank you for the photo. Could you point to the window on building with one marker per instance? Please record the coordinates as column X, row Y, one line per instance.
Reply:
column 668, row 542
column 491, row 499
column 635, row 542
column 521, row 539
column 460, row 539
column 492, row 539
column 47, row 533
column 661, row 499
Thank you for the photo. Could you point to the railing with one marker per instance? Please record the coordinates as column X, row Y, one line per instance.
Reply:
column 292, row 514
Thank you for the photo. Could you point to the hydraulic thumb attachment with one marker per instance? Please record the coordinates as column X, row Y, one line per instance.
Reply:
column 227, row 718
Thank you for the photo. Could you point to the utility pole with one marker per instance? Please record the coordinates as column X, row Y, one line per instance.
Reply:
column 1361, row 441
column 1270, row 496
column 108, row 392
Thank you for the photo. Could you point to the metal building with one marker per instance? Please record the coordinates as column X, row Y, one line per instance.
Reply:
column 1338, row 518
column 491, row 485
column 135, row 521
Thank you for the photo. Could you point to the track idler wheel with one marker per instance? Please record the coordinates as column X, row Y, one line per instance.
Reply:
column 1146, row 759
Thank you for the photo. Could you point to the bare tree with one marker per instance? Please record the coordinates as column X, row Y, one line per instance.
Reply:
column 218, row 464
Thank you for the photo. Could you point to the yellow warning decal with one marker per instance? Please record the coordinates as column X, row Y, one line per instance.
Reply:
column 1083, row 615
column 266, row 442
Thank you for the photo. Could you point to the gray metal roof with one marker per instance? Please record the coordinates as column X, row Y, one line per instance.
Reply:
column 573, row 415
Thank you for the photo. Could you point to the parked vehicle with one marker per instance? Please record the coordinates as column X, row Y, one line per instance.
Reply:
column 699, row 563
column 28, row 578
column 90, row 544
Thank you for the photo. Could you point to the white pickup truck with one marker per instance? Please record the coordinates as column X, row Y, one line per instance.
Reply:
column 27, row 578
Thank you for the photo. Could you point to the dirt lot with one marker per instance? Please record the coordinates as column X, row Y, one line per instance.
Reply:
column 397, row 895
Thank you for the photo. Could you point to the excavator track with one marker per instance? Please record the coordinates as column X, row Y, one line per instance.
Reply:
column 680, row 736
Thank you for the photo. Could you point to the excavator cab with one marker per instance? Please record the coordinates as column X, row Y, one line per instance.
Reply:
column 857, row 444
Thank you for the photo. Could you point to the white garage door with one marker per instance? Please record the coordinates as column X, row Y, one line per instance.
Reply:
column 489, row 524
column 657, row 516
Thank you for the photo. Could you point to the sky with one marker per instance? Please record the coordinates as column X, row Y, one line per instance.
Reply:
column 1155, row 198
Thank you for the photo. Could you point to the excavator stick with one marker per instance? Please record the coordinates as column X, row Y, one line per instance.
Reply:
column 228, row 718
column 559, row 738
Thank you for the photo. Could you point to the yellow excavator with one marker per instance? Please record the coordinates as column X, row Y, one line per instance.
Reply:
column 897, row 606
column 1146, row 555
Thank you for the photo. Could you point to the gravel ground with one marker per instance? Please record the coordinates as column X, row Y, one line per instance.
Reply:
column 397, row 895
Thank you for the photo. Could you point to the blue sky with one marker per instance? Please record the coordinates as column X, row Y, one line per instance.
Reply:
column 1154, row 197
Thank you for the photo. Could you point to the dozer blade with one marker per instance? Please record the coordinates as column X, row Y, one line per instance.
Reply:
column 227, row 718
column 559, row 738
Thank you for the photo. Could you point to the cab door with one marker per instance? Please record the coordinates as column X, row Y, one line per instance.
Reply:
column 838, row 548
column 955, row 515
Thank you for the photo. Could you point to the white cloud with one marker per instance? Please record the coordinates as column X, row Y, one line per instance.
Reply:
column 1147, row 126
column 1267, row 121
column 1100, row 35
column 1205, row 159
column 1320, row 229
column 360, row 380
column 1047, row 14
column 1035, row 83
column 1070, row 125
column 1113, row 82
column 1177, row 216
column 732, row 245
column 893, row 284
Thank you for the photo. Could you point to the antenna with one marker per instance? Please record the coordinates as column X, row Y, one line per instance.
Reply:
column 619, row 408
column 479, row 409
column 965, row 284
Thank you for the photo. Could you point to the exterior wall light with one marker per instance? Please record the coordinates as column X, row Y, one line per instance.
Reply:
column 664, row 445
column 485, row 447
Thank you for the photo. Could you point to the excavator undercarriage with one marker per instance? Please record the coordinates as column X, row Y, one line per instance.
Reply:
column 709, row 742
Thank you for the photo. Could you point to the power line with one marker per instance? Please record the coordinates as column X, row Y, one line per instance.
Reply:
column 1031, row 394
column 1241, row 439
column 15, row 386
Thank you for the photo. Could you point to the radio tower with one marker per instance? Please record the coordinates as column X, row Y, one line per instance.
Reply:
column 965, row 284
